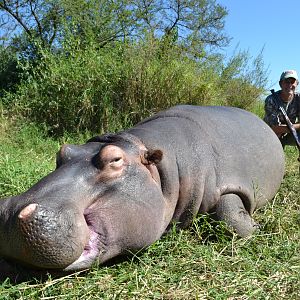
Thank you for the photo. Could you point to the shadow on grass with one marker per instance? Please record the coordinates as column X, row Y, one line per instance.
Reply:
column 208, row 230
column 14, row 273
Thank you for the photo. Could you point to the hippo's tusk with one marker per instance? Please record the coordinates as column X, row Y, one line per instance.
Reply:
column 27, row 211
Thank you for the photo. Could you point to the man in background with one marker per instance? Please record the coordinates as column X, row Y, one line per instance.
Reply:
column 290, row 100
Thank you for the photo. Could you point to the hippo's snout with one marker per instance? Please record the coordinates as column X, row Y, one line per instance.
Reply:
column 48, row 238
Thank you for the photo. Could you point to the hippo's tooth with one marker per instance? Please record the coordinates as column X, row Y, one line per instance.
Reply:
column 27, row 211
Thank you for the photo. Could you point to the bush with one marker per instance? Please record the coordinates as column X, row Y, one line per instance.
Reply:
column 70, row 92
column 107, row 89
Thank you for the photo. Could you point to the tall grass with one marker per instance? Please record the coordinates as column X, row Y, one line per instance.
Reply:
column 111, row 88
column 202, row 262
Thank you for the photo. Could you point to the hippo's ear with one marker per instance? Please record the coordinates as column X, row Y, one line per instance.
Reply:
column 150, row 157
column 66, row 153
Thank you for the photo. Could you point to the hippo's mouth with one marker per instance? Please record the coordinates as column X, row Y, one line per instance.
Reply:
column 93, row 247
column 89, row 255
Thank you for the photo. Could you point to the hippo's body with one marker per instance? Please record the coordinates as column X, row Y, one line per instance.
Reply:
column 120, row 192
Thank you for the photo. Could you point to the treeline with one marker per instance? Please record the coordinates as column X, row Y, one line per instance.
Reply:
column 104, row 65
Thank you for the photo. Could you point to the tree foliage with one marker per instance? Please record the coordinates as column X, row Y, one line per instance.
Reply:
column 197, row 23
column 36, row 18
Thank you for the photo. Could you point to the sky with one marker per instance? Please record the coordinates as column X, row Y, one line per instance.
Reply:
column 269, row 24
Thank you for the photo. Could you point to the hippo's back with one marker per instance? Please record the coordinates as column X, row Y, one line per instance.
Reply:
column 229, row 146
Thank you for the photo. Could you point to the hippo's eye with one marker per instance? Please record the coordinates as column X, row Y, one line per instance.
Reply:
column 116, row 159
column 110, row 157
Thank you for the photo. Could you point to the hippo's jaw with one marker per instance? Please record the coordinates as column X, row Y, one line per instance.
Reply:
column 53, row 241
column 50, row 240
column 44, row 238
column 34, row 263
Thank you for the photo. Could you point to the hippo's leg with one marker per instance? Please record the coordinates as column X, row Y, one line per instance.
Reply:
column 231, row 209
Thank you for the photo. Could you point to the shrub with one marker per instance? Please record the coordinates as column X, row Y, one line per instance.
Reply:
column 70, row 92
column 107, row 89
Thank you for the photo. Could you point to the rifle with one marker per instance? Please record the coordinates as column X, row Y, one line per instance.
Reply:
column 288, row 121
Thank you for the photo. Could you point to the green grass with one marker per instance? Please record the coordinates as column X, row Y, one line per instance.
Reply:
column 203, row 262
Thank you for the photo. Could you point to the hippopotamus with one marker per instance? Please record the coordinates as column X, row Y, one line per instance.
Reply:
column 120, row 192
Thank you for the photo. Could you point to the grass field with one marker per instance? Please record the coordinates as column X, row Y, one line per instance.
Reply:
column 203, row 262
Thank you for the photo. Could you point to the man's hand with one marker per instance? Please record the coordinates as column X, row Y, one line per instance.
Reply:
column 280, row 130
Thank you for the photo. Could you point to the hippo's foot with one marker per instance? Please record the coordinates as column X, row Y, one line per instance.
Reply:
column 231, row 209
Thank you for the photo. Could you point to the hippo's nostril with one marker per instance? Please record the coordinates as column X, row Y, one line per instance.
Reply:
column 27, row 211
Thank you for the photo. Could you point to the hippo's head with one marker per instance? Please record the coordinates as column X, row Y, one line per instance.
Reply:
column 103, row 199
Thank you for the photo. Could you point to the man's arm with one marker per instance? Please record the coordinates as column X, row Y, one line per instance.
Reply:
column 272, row 119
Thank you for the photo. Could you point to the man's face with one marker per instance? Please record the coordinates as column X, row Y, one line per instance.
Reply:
column 288, row 86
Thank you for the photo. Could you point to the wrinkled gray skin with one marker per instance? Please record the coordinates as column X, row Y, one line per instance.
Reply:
column 119, row 193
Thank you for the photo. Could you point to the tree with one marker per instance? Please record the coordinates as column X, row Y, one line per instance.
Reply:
column 198, row 24
column 36, row 18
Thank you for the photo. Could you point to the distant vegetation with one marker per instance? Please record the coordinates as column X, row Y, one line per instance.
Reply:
column 73, row 66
